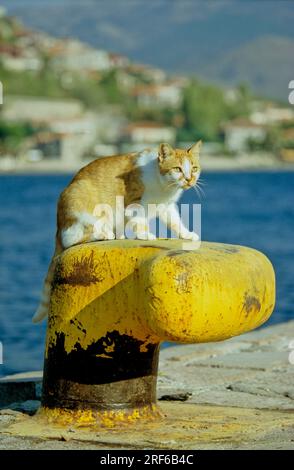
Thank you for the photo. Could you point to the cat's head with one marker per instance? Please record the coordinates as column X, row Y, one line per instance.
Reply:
column 179, row 167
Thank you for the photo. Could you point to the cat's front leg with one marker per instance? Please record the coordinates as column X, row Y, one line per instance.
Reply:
column 102, row 231
column 171, row 217
column 140, row 228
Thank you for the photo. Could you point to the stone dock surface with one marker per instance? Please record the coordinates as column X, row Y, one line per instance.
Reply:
column 237, row 394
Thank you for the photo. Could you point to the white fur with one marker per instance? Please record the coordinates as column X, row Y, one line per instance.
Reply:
column 102, row 229
column 146, row 156
column 138, row 226
column 166, row 190
column 158, row 189
column 187, row 169
column 172, row 219
column 72, row 235
column 85, row 218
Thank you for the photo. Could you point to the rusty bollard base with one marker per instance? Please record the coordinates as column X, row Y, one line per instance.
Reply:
column 87, row 418
column 114, row 302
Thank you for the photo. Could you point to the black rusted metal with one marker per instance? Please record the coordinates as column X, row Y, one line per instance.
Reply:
column 97, row 379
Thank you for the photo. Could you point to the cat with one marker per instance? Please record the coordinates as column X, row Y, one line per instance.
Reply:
column 149, row 177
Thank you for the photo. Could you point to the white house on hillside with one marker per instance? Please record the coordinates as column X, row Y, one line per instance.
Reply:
column 73, row 55
column 272, row 115
column 149, row 133
column 240, row 131
column 154, row 96
column 32, row 109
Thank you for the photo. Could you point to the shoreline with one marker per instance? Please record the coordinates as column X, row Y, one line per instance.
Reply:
column 239, row 163
column 56, row 170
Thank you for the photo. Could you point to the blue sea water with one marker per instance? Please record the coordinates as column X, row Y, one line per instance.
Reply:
column 249, row 208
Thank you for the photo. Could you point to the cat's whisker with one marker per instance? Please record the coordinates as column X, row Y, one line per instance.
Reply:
column 199, row 191
column 194, row 188
column 201, row 182
column 200, row 187
column 196, row 191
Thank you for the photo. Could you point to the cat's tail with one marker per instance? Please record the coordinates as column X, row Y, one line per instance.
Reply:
column 43, row 308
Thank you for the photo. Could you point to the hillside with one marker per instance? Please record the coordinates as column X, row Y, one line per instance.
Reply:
column 266, row 63
column 223, row 40
column 45, row 76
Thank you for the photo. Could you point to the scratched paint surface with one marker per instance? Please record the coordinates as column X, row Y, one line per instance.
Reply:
column 154, row 291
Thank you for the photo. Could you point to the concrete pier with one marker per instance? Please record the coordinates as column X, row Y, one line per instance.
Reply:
column 237, row 394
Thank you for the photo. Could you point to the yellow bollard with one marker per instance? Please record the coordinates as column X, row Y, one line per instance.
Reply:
column 114, row 302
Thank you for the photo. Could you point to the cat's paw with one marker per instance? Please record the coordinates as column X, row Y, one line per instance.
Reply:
column 186, row 235
column 145, row 236
column 109, row 235
column 103, row 234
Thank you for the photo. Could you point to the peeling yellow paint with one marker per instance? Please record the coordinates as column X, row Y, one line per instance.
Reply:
column 89, row 418
column 155, row 291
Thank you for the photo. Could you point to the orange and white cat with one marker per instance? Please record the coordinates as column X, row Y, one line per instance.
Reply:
column 148, row 177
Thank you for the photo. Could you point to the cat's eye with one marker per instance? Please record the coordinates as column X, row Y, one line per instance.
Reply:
column 195, row 168
column 178, row 169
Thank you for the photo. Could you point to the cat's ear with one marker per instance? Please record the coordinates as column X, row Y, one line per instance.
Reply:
column 165, row 151
column 195, row 149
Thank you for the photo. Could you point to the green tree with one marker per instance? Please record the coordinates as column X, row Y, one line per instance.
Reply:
column 12, row 135
column 203, row 109
column 240, row 106
column 111, row 89
column 89, row 92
